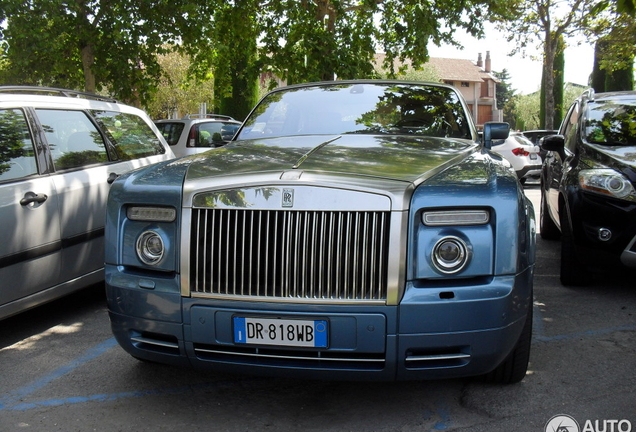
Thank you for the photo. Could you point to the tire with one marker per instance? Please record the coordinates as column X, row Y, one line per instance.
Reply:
column 547, row 228
column 572, row 272
column 513, row 369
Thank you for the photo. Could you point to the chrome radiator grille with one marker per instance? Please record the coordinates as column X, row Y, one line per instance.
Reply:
column 306, row 255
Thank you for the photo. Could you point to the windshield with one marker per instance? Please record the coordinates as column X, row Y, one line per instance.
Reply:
column 355, row 108
column 611, row 122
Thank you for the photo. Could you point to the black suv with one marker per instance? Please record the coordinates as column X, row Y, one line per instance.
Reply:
column 587, row 186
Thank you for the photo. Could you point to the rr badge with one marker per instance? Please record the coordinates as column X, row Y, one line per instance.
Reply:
column 288, row 197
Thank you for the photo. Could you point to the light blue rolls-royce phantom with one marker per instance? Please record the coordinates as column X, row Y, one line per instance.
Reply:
column 351, row 230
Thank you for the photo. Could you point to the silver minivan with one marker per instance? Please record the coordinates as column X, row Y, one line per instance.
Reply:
column 59, row 152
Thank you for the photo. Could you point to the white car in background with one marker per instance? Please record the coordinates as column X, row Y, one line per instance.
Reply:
column 522, row 154
column 60, row 150
column 196, row 133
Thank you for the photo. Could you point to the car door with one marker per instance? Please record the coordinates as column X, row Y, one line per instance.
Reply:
column 557, row 165
column 81, row 174
column 30, row 239
column 90, row 150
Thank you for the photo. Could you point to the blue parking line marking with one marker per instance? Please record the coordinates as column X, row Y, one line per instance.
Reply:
column 6, row 401
column 537, row 322
column 599, row 332
column 14, row 400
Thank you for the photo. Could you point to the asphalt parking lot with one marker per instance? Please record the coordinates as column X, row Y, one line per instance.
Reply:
column 61, row 370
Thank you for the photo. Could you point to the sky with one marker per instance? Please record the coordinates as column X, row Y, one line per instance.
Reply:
column 524, row 72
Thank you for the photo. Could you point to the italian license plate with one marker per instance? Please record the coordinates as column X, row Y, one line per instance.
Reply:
column 281, row 332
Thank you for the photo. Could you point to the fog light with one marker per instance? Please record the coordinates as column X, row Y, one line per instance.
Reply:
column 604, row 234
column 150, row 248
column 450, row 255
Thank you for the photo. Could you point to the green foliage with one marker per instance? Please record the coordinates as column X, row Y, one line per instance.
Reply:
column 505, row 97
column 236, row 62
column 526, row 108
column 312, row 40
column 114, row 46
column 614, row 29
column 93, row 44
column 544, row 22
column 178, row 91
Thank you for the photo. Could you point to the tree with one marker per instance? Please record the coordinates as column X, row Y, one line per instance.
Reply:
column 548, row 21
column 178, row 91
column 559, row 82
column 557, row 73
column 96, row 44
column 112, row 45
column 312, row 40
column 504, row 95
column 614, row 51
column 236, row 63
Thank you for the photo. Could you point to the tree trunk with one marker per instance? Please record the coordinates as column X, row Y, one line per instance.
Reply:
column 88, row 59
column 548, row 82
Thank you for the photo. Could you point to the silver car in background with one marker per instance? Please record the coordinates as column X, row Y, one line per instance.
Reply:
column 197, row 133
column 59, row 152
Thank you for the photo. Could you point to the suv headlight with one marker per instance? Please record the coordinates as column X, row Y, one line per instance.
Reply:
column 150, row 248
column 607, row 182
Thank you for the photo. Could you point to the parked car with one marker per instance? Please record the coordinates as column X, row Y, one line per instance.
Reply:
column 522, row 154
column 537, row 135
column 59, row 152
column 197, row 133
column 351, row 230
column 587, row 186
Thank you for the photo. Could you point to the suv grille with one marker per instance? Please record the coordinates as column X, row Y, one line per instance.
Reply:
column 309, row 255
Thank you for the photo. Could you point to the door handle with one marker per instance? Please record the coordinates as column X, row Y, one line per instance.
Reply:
column 112, row 177
column 30, row 198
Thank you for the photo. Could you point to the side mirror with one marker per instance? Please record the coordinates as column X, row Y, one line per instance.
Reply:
column 555, row 143
column 495, row 131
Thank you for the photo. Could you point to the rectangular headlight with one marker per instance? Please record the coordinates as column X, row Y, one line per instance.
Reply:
column 455, row 217
column 151, row 214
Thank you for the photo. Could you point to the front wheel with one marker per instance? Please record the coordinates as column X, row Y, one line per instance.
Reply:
column 573, row 273
column 513, row 369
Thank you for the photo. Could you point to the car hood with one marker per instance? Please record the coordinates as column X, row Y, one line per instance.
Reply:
column 390, row 157
column 617, row 156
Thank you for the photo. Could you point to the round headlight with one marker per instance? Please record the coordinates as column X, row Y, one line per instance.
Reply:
column 450, row 255
column 150, row 248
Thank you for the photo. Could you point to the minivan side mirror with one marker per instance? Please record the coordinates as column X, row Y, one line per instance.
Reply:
column 495, row 131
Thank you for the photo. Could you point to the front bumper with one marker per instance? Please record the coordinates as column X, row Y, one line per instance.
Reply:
column 433, row 333
column 604, row 230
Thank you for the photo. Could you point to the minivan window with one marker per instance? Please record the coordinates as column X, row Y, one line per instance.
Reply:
column 131, row 136
column 73, row 138
column 17, row 156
